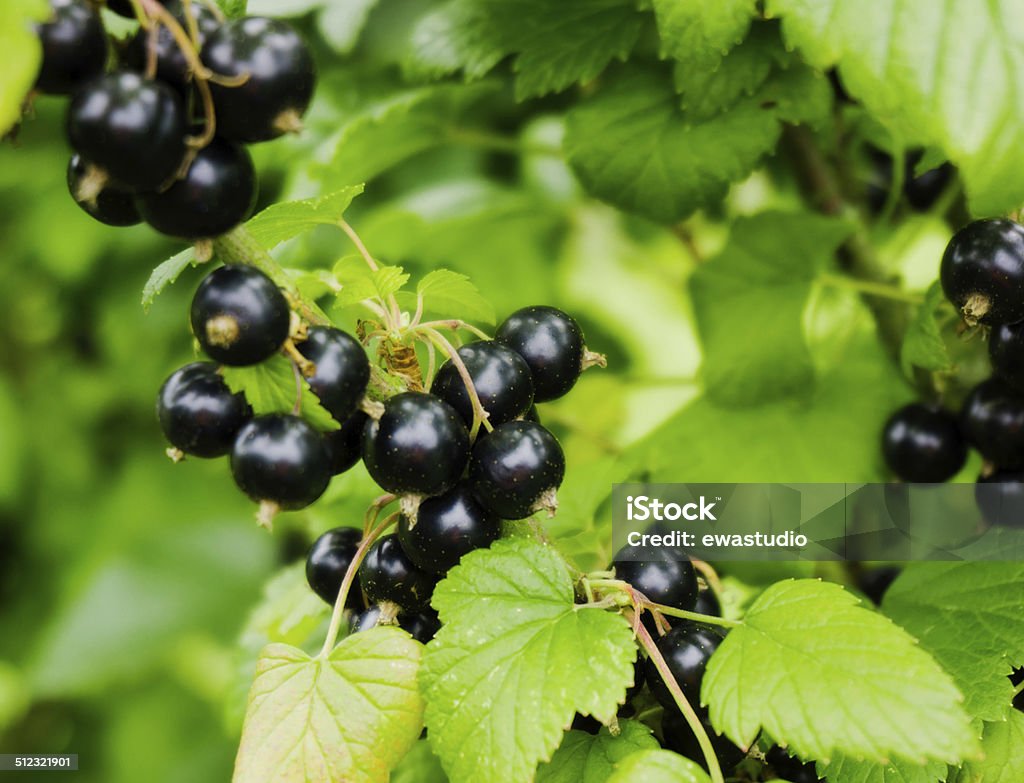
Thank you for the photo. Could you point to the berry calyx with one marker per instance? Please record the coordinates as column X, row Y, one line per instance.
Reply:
column 923, row 444
column 110, row 206
column 421, row 626
column 172, row 66
column 74, row 47
column 664, row 577
column 340, row 372
column 1006, row 350
column 239, row 316
column 418, row 446
column 387, row 574
column 1000, row 498
column 500, row 376
column 327, row 562
column 687, row 648
column 345, row 445
column 280, row 77
column 516, row 469
column 993, row 422
column 551, row 343
column 216, row 194
column 982, row 271
column 281, row 460
column 198, row 413
column 447, row 527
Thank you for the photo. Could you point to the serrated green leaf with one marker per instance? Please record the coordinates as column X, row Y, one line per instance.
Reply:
column 356, row 281
column 452, row 293
column 1003, row 745
column 843, row 769
column 342, row 21
column 351, row 716
column 165, row 274
column 699, row 34
column 968, row 615
column 281, row 222
column 923, row 345
column 591, row 758
column 449, row 38
column 515, row 660
column 750, row 300
column 658, row 766
column 806, row 648
column 270, row 387
column 22, row 55
column 388, row 280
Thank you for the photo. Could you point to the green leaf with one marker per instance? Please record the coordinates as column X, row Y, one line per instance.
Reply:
column 233, row 9
column 270, row 387
column 749, row 303
column 843, row 769
column 515, row 660
column 388, row 280
column 453, row 36
column 923, row 345
column 871, row 691
column 351, row 716
column 699, row 34
column 949, row 75
column 968, row 615
column 1003, row 746
column 451, row 293
column 167, row 273
column 658, row 766
column 356, row 281
column 342, row 21
column 591, row 758
column 281, row 222
column 22, row 55
column 419, row 766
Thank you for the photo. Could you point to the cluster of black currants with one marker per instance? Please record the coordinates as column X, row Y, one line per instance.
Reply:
column 982, row 274
column 160, row 136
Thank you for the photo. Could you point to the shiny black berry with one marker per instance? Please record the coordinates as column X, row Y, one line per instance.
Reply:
column 418, row 446
column 1000, row 497
column 516, row 469
column 1006, row 350
column 923, row 444
column 216, row 194
column 421, row 626
column 110, row 206
column 282, row 460
column 983, row 271
column 130, row 127
column 923, row 190
column 198, row 413
column 551, row 343
column 791, row 768
column 387, row 574
column 501, row 378
column 328, row 561
column 74, row 47
column 171, row 65
column 239, row 315
column 341, row 369
column 708, row 603
column 687, row 648
column 664, row 576
column 280, row 78
column 345, row 445
column 447, row 527
column 993, row 422
column 679, row 737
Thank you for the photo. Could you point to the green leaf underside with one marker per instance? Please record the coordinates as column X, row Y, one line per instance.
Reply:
column 270, row 387
column 281, row 222
column 448, row 292
column 515, row 660
column 658, row 766
column 1003, row 745
column 351, row 716
column 822, row 675
column 967, row 615
column 591, row 758
column 843, row 769
column 165, row 274
column 22, row 56
column 923, row 345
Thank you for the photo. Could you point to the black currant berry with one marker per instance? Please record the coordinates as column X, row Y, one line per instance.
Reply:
column 328, row 561
column 74, row 47
column 111, row 206
column 1000, row 498
column 923, row 444
column 1006, row 350
column 500, row 376
column 131, row 128
column 875, row 582
column 923, row 190
column 171, row 65
column 198, row 413
column 664, row 577
column 447, row 527
column 791, row 768
column 239, row 316
column 124, row 7
column 216, row 194
column 993, row 422
column 551, row 343
column 516, row 469
column 708, row 603
column 387, row 574
column 983, row 271
column 418, row 446
column 421, row 626
column 280, row 78
column 687, row 648
column 341, row 369
column 679, row 737
column 280, row 459
column 1017, row 678
column 345, row 445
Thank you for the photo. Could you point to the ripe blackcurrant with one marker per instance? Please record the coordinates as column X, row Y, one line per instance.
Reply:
column 171, row 65
column 791, row 768
column 74, row 47
column 551, row 343
column 1000, row 498
column 447, row 527
column 280, row 78
column 1006, row 350
column 387, row 574
column 111, row 206
column 328, row 561
column 421, row 626
column 501, row 378
column 664, row 577
column 216, row 194
column 923, row 444
column 679, row 737
column 282, row 460
column 418, row 446
column 875, row 582
column 239, row 316
column 687, row 648
column 993, row 422
column 131, row 128
column 983, row 271
column 708, row 603
column 515, row 470
column 198, row 413
column 341, row 369
column 924, row 189
column 345, row 445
